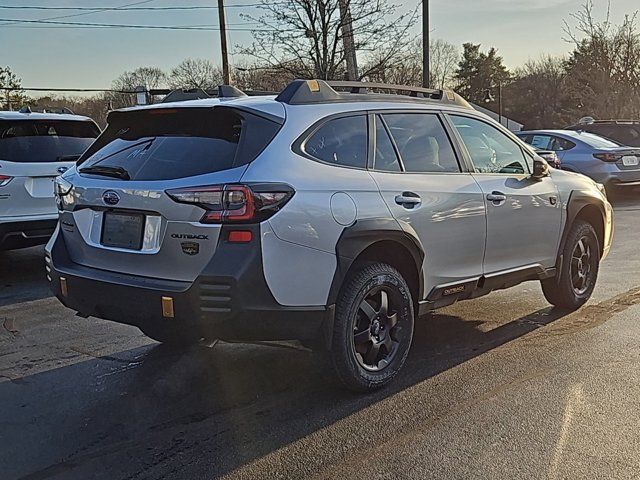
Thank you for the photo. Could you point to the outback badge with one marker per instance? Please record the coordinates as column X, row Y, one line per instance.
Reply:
column 190, row 248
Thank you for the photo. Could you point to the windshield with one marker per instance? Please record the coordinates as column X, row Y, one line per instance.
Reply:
column 597, row 141
column 44, row 140
column 176, row 143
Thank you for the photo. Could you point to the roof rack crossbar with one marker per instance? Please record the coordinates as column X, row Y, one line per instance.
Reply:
column 365, row 87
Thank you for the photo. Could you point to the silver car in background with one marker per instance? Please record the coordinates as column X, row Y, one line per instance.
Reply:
column 604, row 160
column 34, row 149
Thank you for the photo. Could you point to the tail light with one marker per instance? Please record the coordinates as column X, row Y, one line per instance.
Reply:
column 62, row 190
column 607, row 157
column 4, row 180
column 235, row 203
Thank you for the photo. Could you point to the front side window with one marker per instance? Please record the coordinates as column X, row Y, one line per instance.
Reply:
column 491, row 151
column 340, row 141
column 422, row 142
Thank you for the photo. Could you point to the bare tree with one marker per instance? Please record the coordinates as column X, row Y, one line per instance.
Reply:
column 604, row 69
column 537, row 95
column 405, row 68
column 443, row 61
column 253, row 76
column 304, row 37
column 195, row 73
column 150, row 77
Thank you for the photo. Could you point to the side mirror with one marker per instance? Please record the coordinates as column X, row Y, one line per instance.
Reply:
column 540, row 168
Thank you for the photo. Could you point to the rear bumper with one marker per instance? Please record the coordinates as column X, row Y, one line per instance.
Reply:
column 230, row 300
column 617, row 177
column 26, row 233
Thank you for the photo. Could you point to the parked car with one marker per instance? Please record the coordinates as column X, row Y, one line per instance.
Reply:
column 624, row 132
column 334, row 218
column 605, row 161
column 34, row 149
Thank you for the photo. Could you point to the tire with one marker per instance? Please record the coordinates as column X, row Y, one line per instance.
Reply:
column 574, row 283
column 370, row 343
column 171, row 336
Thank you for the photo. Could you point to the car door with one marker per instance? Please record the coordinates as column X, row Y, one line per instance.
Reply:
column 421, row 181
column 524, row 215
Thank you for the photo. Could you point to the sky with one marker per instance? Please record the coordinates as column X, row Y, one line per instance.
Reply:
column 92, row 58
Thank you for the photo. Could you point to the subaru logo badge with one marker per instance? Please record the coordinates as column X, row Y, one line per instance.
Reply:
column 110, row 197
column 61, row 170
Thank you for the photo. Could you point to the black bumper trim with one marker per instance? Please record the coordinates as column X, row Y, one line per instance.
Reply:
column 230, row 300
column 25, row 233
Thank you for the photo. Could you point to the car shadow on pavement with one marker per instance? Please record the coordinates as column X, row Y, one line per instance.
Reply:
column 22, row 276
column 154, row 410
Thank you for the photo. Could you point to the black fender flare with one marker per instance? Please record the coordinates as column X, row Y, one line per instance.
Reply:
column 577, row 201
column 356, row 238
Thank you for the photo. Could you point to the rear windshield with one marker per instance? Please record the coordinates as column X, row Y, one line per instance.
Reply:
column 45, row 140
column 163, row 144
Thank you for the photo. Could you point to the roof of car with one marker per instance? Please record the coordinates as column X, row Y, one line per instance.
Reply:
column 324, row 96
column 12, row 115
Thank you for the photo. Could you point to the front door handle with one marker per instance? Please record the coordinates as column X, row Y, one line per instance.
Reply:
column 498, row 198
column 408, row 199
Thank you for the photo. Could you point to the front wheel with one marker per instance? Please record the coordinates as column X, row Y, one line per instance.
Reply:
column 373, row 327
column 574, row 283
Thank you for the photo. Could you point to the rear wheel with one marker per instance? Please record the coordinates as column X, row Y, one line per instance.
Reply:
column 373, row 327
column 574, row 283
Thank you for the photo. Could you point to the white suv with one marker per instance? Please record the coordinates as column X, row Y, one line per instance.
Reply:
column 334, row 218
column 34, row 149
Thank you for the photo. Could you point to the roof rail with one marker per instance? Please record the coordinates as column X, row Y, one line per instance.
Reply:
column 178, row 95
column 301, row 92
column 364, row 87
column 54, row 110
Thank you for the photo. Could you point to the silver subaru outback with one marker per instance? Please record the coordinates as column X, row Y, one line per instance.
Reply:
column 327, row 214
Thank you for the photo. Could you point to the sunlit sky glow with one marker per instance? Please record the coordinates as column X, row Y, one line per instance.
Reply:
column 91, row 58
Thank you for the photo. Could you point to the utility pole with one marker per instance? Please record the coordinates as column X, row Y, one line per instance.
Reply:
column 348, row 40
column 223, row 44
column 425, row 44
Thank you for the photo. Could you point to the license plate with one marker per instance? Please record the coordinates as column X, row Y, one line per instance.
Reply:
column 629, row 161
column 122, row 230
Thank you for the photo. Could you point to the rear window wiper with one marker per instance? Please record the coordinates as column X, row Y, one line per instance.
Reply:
column 115, row 172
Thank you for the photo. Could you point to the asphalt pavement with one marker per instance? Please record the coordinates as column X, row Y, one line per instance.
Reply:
column 500, row 387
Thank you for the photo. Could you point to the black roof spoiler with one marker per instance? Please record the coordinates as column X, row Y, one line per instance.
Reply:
column 301, row 92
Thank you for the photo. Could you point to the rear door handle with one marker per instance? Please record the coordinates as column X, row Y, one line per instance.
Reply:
column 408, row 199
column 497, row 197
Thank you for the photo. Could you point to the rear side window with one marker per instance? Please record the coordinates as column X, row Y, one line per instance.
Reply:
column 166, row 144
column 340, row 141
column 45, row 140
column 386, row 159
column 422, row 142
column 561, row 144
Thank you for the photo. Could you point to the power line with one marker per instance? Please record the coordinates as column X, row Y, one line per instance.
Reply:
column 59, row 17
column 119, row 25
column 128, row 9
